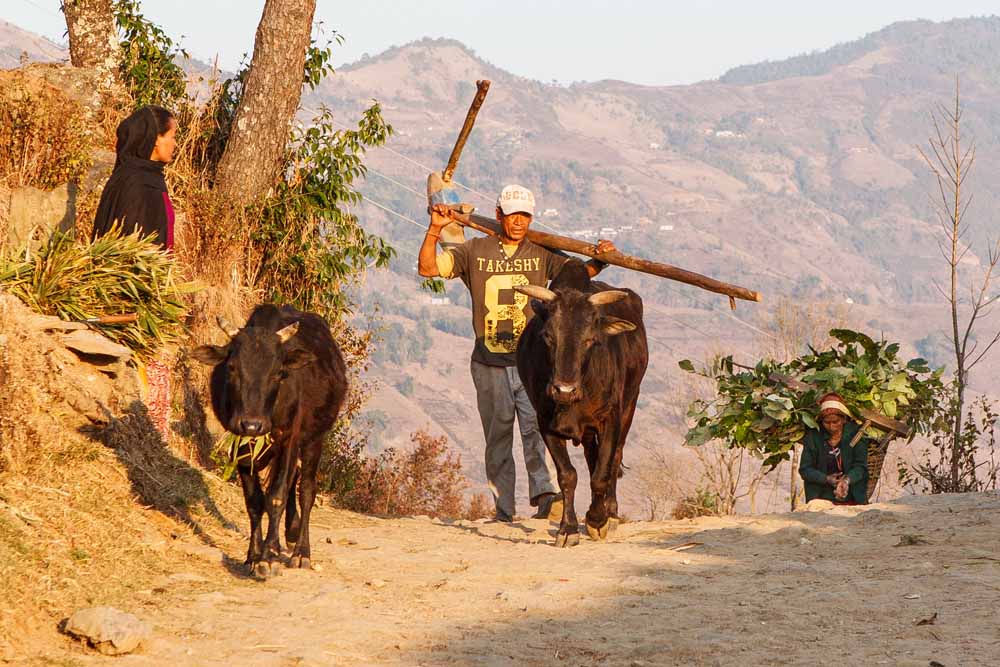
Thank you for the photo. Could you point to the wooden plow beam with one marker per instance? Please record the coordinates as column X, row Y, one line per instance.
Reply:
column 463, row 215
column 556, row 242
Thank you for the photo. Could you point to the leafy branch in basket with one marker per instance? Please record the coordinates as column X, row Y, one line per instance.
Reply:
column 755, row 410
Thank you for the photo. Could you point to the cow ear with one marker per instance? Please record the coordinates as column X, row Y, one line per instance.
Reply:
column 614, row 325
column 541, row 308
column 298, row 359
column 211, row 355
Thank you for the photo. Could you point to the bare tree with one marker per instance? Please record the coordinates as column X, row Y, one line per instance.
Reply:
column 93, row 38
column 730, row 474
column 270, row 97
column 951, row 159
column 725, row 476
column 660, row 481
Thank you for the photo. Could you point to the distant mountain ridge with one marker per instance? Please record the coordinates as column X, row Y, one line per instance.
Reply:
column 800, row 179
column 982, row 34
column 15, row 41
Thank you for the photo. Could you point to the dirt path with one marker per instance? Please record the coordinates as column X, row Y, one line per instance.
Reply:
column 826, row 587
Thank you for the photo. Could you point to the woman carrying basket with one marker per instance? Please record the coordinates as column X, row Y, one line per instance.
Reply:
column 834, row 464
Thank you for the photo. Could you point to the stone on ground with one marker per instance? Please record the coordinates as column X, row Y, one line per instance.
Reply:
column 109, row 630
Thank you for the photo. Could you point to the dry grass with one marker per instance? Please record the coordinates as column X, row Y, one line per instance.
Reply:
column 43, row 133
column 95, row 513
column 89, row 514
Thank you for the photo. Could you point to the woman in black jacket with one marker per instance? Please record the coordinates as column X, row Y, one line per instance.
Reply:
column 136, row 194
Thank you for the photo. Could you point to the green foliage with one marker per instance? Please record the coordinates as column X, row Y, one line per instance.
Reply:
column 702, row 503
column 318, row 61
column 232, row 448
column 754, row 412
column 148, row 65
column 309, row 245
column 433, row 285
column 112, row 275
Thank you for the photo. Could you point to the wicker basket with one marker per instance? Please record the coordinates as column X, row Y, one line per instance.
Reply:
column 876, row 458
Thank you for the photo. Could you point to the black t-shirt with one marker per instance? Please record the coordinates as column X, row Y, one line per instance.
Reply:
column 499, row 314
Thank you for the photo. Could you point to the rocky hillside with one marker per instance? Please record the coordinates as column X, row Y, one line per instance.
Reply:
column 16, row 44
column 800, row 179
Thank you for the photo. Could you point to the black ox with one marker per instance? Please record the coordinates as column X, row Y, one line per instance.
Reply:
column 282, row 374
column 582, row 358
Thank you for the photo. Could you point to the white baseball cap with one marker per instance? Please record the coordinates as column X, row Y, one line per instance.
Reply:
column 516, row 199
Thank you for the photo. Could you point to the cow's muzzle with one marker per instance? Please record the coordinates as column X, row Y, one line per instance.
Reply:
column 564, row 392
column 252, row 427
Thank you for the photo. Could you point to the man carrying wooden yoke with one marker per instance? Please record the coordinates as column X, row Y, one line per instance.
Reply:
column 490, row 267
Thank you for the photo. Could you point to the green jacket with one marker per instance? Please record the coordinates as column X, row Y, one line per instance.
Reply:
column 815, row 454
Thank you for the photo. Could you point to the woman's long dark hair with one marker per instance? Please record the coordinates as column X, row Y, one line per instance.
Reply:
column 161, row 116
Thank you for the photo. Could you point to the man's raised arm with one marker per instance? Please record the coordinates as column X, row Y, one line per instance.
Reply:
column 427, row 260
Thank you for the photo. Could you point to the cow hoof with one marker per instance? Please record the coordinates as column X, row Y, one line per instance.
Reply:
column 301, row 562
column 267, row 569
column 602, row 533
column 567, row 540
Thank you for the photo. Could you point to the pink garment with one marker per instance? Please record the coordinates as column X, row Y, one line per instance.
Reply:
column 167, row 204
column 158, row 396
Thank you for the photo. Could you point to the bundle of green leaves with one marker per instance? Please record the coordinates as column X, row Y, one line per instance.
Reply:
column 231, row 449
column 112, row 275
column 754, row 411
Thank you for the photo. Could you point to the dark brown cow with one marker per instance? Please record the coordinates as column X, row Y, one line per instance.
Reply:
column 281, row 374
column 582, row 358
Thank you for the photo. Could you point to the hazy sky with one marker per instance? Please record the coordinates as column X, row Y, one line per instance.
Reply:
column 643, row 41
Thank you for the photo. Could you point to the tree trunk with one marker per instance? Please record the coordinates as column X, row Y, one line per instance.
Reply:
column 259, row 136
column 93, row 38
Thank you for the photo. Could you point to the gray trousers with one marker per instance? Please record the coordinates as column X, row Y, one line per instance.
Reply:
column 500, row 396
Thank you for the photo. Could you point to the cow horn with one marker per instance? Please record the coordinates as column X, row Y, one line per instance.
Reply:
column 536, row 292
column 287, row 332
column 606, row 297
column 224, row 324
